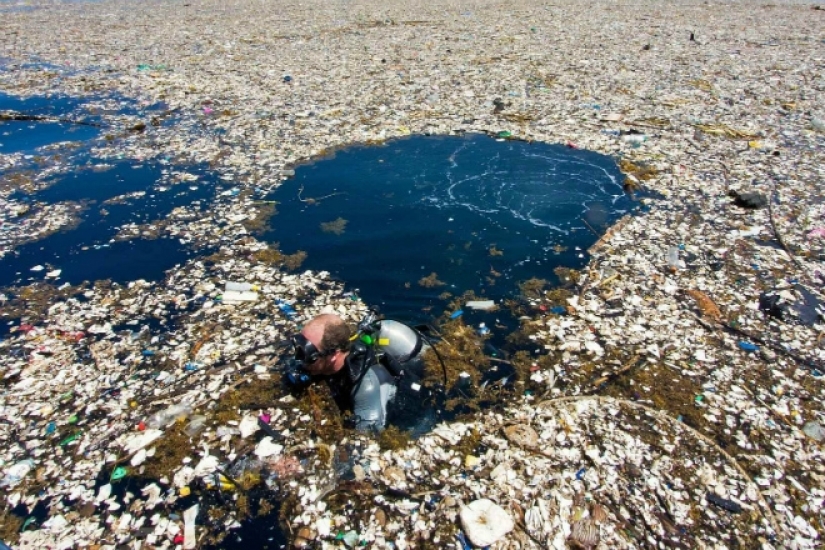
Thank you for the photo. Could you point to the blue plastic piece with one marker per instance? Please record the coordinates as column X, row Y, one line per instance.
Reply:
column 465, row 544
column 456, row 314
column 580, row 473
column 147, row 353
column 747, row 346
column 558, row 310
column 286, row 309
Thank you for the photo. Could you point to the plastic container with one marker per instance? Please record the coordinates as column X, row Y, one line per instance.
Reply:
column 635, row 139
column 241, row 287
column 286, row 309
column 196, row 424
column 162, row 419
column 237, row 296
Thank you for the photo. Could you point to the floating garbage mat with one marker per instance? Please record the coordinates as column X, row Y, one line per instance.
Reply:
column 581, row 472
column 415, row 221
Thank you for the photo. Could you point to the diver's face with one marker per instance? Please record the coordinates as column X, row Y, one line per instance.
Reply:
column 307, row 350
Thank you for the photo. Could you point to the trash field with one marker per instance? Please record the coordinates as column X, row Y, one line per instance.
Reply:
column 668, row 395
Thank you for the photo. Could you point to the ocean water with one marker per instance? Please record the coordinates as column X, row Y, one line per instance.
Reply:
column 86, row 251
column 483, row 214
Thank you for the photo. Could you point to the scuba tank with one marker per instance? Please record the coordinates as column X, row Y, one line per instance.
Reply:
column 399, row 340
column 400, row 345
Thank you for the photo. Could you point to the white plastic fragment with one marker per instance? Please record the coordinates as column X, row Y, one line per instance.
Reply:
column 485, row 522
column 266, row 448
column 189, row 517
column 248, row 426
column 481, row 304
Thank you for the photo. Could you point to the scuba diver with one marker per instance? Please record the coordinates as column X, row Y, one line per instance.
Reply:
column 361, row 370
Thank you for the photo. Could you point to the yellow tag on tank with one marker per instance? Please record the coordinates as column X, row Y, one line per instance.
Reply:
column 383, row 341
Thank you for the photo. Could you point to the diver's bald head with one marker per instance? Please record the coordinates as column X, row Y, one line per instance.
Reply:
column 328, row 332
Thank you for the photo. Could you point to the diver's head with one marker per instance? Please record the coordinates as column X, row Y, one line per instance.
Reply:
column 322, row 344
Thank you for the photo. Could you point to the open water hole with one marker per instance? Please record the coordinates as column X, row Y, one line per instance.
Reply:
column 481, row 214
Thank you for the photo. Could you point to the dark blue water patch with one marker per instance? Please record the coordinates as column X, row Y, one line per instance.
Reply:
column 95, row 184
column 88, row 118
column 483, row 214
column 121, row 262
column 28, row 136
column 85, row 252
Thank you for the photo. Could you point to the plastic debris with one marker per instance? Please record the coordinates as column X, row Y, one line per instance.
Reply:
column 162, row 419
column 724, row 503
column 485, row 522
column 189, row 516
column 814, row 430
column 748, row 346
column 16, row 473
column 424, row 72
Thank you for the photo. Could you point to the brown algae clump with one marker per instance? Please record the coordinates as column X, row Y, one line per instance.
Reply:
column 431, row 281
column 336, row 227
column 393, row 439
column 259, row 222
column 170, row 450
column 532, row 288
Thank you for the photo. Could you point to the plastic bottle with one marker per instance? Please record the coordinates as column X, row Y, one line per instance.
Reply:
column 236, row 296
column 231, row 285
column 673, row 257
column 163, row 418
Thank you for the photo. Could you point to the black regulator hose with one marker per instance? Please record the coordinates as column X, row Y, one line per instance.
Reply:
column 435, row 350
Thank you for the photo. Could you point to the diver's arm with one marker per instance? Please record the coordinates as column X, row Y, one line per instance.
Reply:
column 370, row 398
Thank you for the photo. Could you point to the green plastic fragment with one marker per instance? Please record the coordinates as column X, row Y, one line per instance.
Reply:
column 28, row 522
column 699, row 398
column 505, row 134
column 73, row 419
column 119, row 473
column 69, row 439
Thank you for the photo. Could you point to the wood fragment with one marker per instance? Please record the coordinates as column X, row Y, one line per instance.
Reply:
column 707, row 306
